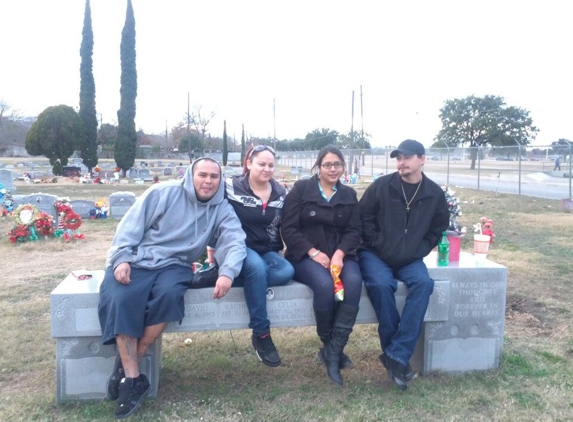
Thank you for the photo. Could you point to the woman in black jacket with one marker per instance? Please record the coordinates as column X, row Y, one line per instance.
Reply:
column 258, row 200
column 321, row 229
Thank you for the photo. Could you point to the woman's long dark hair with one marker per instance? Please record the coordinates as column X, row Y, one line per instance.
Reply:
column 322, row 153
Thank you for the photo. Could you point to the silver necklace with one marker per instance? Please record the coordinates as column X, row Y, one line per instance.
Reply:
column 413, row 196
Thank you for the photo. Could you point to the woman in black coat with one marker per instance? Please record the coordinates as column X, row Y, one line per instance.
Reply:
column 321, row 228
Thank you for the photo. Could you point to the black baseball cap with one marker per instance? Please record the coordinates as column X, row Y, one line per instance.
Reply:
column 409, row 147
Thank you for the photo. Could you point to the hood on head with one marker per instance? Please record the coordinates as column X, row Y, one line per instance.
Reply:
column 190, row 188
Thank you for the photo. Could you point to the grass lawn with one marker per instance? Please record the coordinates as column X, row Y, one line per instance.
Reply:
column 218, row 377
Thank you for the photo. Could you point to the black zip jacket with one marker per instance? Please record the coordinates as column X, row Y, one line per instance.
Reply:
column 399, row 237
column 260, row 224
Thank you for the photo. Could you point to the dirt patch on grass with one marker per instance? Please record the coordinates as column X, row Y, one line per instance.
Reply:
column 526, row 317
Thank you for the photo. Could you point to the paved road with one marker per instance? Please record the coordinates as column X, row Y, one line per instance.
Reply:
column 497, row 176
column 552, row 188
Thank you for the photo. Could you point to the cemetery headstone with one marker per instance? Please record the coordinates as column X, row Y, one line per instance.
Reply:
column 43, row 201
column 82, row 207
column 7, row 179
column 145, row 175
column 119, row 203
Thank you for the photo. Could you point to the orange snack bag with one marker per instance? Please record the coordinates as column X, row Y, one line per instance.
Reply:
column 338, row 286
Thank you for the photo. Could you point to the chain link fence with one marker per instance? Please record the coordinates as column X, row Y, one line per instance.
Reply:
column 519, row 166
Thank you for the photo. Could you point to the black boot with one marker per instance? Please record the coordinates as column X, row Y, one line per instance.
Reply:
column 343, row 323
column 324, row 321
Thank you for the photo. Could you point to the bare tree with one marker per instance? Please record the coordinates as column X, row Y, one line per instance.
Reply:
column 7, row 112
column 200, row 119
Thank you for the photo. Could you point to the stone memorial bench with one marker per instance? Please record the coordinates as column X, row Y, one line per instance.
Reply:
column 463, row 326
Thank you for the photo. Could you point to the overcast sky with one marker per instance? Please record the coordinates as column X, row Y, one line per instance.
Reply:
column 235, row 58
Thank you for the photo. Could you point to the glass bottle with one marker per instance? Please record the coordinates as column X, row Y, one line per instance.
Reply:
column 444, row 251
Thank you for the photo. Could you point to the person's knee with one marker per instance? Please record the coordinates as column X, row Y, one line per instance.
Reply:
column 423, row 285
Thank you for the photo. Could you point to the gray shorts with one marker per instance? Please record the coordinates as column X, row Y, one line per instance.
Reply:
column 152, row 297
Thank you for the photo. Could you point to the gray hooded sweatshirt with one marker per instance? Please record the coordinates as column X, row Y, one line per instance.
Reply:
column 168, row 225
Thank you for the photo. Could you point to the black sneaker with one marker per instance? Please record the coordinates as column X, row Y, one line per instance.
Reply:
column 266, row 350
column 132, row 392
column 114, row 379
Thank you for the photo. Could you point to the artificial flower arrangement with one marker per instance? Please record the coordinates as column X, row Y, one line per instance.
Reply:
column 30, row 223
column 45, row 224
column 68, row 222
column 454, row 229
column 25, row 217
column 485, row 226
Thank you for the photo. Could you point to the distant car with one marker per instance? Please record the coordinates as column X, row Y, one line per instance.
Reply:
column 435, row 158
column 456, row 158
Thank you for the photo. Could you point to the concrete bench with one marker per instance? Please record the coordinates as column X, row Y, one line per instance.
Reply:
column 463, row 326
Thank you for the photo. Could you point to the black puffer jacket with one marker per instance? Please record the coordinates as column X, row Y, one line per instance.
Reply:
column 310, row 221
column 396, row 236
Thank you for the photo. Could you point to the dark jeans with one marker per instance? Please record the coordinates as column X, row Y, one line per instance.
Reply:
column 258, row 273
column 398, row 336
column 320, row 281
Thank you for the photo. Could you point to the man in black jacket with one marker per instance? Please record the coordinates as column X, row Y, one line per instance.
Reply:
column 403, row 215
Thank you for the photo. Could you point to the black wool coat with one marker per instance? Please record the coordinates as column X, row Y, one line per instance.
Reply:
column 310, row 221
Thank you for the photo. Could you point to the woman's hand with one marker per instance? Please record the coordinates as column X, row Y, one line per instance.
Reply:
column 338, row 259
column 322, row 259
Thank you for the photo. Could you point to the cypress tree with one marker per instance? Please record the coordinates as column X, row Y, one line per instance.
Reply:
column 243, row 151
column 126, row 144
column 225, row 150
column 87, row 92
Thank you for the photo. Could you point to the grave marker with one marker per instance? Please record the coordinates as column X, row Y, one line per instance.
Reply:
column 119, row 203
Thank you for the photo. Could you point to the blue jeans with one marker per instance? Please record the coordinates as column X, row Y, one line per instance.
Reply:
column 319, row 279
column 258, row 273
column 398, row 336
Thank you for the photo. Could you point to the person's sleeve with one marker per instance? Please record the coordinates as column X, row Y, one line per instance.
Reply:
column 368, row 206
column 230, row 249
column 296, row 242
column 132, row 227
column 353, row 230
column 440, row 223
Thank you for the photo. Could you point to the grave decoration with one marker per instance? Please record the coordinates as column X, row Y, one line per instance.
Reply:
column 69, row 222
column 25, row 217
column 485, row 227
column 6, row 200
column 99, row 210
column 454, row 229
column 30, row 222
column 45, row 224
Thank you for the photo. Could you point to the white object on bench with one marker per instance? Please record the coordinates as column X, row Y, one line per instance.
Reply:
column 463, row 326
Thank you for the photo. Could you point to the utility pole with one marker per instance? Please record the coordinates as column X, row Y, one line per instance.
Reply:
column 189, row 131
column 362, row 123
column 166, row 136
column 352, row 137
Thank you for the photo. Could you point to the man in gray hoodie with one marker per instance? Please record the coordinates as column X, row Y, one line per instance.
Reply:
column 148, row 268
